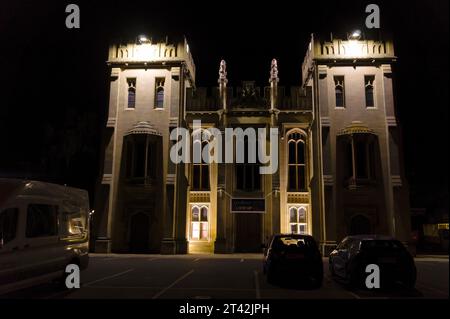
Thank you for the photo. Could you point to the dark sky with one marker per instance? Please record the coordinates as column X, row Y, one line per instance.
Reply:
column 54, row 83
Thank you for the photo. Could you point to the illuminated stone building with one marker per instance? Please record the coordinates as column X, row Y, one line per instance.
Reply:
column 340, row 168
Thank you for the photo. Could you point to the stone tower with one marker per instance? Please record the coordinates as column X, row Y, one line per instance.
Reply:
column 137, row 202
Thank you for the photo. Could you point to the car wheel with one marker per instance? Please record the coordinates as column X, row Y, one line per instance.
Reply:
column 410, row 282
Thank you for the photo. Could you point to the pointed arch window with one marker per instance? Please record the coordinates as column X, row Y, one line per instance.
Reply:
column 369, row 87
column 339, row 91
column 159, row 93
column 296, row 162
column 298, row 220
column 200, row 171
column 131, row 103
column 199, row 222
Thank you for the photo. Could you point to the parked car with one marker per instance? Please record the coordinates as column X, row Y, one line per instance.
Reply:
column 349, row 260
column 293, row 258
column 43, row 228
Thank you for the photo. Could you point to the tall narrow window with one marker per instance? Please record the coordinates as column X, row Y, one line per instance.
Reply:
column 296, row 163
column 248, row 177
column 297, row 220
column 200, row 174
column 339, row 90
column 159, row 93
column 131, row 93
column 141, row 159
column 369, row 83
column 360, row 154
column 199, row 223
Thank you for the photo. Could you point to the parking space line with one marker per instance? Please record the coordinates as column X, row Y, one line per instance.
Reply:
column 173, row 284
column 258, row 292
column 195, row 260
column 108, row 277
column 353, row 294
column 435, row 290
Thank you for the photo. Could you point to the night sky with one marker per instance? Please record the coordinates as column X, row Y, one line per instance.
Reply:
column 54, row 82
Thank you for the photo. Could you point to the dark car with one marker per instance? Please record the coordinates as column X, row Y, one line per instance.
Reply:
column 295, row 258
column 349, row 260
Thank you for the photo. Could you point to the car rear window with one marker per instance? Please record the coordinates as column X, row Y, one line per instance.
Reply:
column 293, row 244
column 381, row 244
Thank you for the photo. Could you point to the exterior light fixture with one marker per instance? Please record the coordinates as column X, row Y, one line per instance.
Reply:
column 143, row 39
column 355, row 35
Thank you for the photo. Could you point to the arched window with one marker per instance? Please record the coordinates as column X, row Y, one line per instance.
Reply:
column 298, row 220
column 369, row 81
column 200, row 171
column 131, row 93
column 339, row 91
column 199, row 223
column 296, row 163
column 159, row 93
column 247, row 173
column 140, row 162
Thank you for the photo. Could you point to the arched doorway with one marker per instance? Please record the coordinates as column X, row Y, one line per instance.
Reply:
column 139, row 233
column 360, row 224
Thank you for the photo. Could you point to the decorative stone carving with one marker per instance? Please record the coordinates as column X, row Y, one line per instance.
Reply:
column 274, row 71
column 223, row 71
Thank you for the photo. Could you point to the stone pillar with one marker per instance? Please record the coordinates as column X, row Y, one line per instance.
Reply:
column 220, row 246
column 106, row 201
column 174, row 241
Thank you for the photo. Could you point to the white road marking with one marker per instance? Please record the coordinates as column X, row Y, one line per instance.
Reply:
column 172, row 284
column 64, row 292
column 196, row 259
column 108, row 277
column 258, row 292
column 435, row 290
column 242, row 260
column 354, row 295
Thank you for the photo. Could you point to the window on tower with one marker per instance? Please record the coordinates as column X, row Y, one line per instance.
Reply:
column 159, row 93
column 131, row 104
column 140, row 162
column 369, row 88
column 339, row 91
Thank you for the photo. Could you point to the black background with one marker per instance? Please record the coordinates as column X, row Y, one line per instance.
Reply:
column 54, row 80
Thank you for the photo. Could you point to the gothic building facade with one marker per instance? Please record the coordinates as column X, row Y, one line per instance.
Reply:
column 339, row 152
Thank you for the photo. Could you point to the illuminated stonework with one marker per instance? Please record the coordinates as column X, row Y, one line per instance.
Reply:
column 339, row 160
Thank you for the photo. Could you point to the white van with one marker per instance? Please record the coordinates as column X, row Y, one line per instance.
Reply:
column 43, row 228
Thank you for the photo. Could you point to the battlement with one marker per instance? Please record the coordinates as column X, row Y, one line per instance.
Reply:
column 248, row 97
column 346, row 51
column 149, row 52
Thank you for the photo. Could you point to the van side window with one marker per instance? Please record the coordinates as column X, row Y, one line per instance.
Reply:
column 41, row 220
column 8, row 224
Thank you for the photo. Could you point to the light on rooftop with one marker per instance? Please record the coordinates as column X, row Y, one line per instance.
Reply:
column 355, row 35
column 143, row 39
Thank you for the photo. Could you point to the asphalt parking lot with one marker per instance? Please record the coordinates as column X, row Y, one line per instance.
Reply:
column 218, row 277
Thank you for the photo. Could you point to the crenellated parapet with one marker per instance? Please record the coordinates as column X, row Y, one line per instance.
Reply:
column 152, row 52
column 341, row 51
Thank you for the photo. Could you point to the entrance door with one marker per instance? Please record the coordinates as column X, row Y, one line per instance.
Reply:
column 248, row 233
column 139, row 235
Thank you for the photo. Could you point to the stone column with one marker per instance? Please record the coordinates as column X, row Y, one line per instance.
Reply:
column 220, row 246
